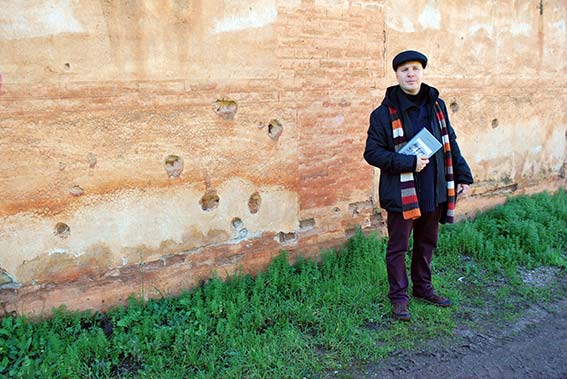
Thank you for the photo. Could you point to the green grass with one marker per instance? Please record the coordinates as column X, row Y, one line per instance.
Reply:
column 300, row 320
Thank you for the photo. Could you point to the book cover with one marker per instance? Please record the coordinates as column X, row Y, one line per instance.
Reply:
column 422, row 144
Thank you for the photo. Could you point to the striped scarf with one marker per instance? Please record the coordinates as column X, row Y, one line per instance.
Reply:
column 410, row 203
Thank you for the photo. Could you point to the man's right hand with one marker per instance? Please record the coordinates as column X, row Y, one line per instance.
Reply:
column 421, row 163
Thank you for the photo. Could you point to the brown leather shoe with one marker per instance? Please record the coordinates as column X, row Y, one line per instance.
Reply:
column 400, row 312
column 434, row 299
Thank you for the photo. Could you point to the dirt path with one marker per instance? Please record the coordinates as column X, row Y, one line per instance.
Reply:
column 534, row 347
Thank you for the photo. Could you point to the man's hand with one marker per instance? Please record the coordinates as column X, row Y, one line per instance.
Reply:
column 421, row 163
column 462, row 189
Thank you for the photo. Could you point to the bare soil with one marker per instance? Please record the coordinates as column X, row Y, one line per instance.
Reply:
column 533, row 346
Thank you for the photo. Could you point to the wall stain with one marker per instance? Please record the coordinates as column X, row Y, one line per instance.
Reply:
column 64, row 267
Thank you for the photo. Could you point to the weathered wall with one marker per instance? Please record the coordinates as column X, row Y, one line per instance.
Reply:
column 146, row 144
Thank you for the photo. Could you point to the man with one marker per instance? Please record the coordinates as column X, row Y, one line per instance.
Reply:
column 416, row 192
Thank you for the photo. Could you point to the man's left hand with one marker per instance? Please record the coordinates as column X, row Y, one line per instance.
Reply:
column 462, row 189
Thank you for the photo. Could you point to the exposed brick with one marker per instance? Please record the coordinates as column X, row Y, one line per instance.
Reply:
column 319, row 68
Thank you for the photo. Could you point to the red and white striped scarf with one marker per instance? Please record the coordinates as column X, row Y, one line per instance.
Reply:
column 410, row 203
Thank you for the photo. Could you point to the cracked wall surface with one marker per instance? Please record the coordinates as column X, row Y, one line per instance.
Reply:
column 147, row 145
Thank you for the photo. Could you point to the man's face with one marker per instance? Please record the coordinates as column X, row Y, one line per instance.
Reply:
column 410, row 76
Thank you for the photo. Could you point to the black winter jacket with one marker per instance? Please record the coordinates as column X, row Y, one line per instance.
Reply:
column 380, row 152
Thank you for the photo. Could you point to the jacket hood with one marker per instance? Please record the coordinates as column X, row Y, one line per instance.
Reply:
column 393, row 93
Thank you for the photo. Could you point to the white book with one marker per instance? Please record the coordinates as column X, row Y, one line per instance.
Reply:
column 422, row 144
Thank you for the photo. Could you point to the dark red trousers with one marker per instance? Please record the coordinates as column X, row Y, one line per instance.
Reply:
column 425, row 236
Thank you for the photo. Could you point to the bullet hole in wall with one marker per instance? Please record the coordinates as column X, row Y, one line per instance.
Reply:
column 225, row 108
column 210, row 200
column 5, row 278
column 91, row 160
column 62, row 230
column 76, row 190
column 454, row 106
column 173, row 166
column 283, row 237
column 275, row 129
column 494, row 123
column 353, row 209
column 238, row 226
column 237, row 223
column 307, row 224
column 254, row 202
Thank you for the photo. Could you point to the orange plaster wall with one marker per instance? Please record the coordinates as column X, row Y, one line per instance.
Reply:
column 147, row 145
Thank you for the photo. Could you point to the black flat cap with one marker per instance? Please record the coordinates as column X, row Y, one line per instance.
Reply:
column 409, row 56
